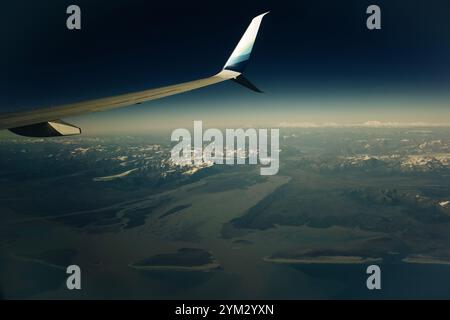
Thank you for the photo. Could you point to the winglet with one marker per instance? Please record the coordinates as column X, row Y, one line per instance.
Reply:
column 241, row 54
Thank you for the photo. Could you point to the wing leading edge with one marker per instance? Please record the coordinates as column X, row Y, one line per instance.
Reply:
column 44, row 122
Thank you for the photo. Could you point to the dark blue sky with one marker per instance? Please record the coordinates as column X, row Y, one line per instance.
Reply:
column 305, row 48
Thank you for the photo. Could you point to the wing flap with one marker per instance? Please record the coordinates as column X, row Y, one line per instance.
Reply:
column 55, row 128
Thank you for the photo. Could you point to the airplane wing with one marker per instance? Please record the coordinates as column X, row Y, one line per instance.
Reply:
column 45, row 122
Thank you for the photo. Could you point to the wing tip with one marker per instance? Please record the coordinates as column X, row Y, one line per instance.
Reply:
column 241, row 53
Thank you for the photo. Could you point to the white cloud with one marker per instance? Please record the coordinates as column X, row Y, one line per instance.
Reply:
column 367, row 124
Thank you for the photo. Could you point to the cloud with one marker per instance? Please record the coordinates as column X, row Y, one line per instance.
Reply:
column 367, row 124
